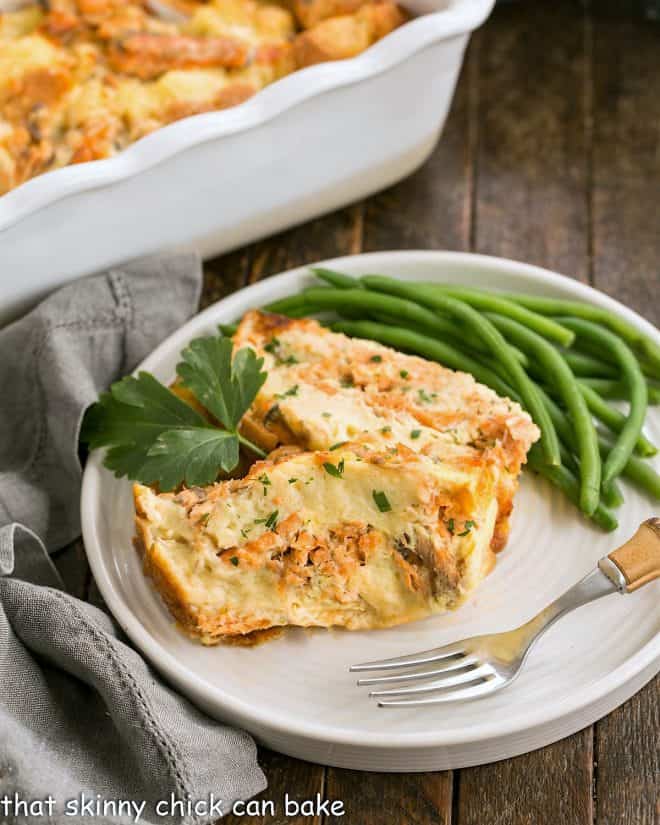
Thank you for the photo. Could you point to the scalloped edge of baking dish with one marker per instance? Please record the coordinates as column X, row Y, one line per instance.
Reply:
column 459, row 17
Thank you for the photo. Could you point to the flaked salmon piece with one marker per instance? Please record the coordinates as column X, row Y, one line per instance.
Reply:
column 147, row 56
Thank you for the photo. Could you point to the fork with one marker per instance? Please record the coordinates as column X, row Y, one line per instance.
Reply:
column 481, row 665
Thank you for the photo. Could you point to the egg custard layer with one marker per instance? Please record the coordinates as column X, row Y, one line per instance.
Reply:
column 385, row 497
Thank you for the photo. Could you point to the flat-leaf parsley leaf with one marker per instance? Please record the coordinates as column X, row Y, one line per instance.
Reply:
column 154, row 437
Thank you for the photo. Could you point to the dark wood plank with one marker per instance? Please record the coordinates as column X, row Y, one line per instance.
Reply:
column 339, row 233
column 628, row 761
column 626, row 250
column 531, row 204
column 626, row 158
column 379, row 798
column 552, row 785
column 224, row 275
column 532, row 164
column 300, row 780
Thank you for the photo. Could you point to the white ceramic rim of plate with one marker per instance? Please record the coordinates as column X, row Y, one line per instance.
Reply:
column 643, row 659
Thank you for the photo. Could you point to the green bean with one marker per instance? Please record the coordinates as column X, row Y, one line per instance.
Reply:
column 611, row 495
column 492, row 302
column 285, row 306
column 610, row 388
column 336, row 279
column 564, row 479
column 441, row 326
column 608, row 367
column 454, row 335
column 635, row 384
column 374, row 303
column 431, row 348
column 637, row 470
column 640, row 342
column 559, row 374
column 613, row 419
column 617, row 391
column 493, row 340
column 559, row 418
column 583, row 364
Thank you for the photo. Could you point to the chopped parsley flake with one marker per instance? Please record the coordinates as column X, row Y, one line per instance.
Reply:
column 245, row 531
column 425, row 397
column 467, row 527
column 335, row 471
column 404, row 373
column 415, row 433
column 385, row 430
column 291, row 391
column 326, row 415
column 270, row 523
column 381, row 500
column 263, row 478
column 292, row 480
column 205, row 519
column 273, row 347
column 376, row 359
column 451, row 526
column 338, row 445
column 234, row 560
column 346, row 381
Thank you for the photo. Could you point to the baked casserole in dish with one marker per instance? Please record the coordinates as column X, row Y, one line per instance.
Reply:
column 82, row 79
column 309, row 141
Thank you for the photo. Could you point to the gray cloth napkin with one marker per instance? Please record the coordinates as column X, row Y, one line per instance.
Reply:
column 84, row 720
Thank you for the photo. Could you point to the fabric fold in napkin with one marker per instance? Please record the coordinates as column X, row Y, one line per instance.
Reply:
column 84, row 720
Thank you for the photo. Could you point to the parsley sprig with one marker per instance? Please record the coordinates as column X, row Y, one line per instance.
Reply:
column 154, row 437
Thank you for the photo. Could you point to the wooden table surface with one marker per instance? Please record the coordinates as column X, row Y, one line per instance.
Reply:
column 551, row 155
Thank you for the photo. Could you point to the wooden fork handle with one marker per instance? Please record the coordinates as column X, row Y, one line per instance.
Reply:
column 639, row 558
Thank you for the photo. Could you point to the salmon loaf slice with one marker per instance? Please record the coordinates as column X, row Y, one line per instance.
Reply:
column 358, row 537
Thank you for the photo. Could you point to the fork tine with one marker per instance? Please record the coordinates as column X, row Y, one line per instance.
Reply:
column 422, row 658
column 481, row 687
column 455, row 677
column 451, row 664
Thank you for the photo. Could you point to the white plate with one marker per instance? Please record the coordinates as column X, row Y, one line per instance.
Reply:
column 296, row 695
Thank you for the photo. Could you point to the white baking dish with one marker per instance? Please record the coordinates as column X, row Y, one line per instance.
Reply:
column 311, row 142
